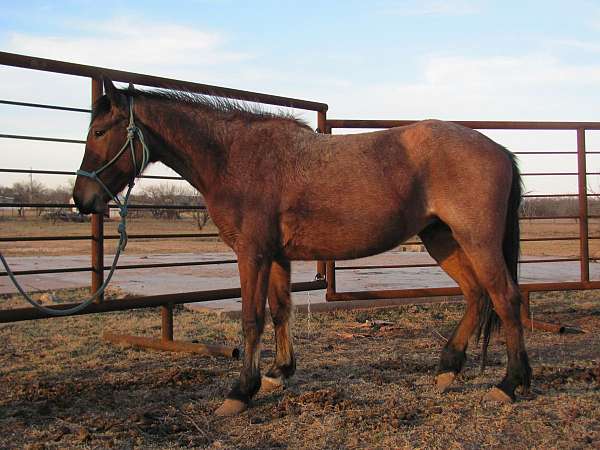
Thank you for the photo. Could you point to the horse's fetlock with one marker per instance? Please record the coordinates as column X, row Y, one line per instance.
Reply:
column 451, row 360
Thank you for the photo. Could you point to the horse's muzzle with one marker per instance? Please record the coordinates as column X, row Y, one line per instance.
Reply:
column 96, row 205
column 88, row 197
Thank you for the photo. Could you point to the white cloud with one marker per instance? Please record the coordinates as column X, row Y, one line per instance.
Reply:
column 131, row 42
column 528, row 87
column 588, row 46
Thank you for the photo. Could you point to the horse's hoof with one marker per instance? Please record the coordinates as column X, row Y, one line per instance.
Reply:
column 497, row 395
column 269, row 384
column 444, row 380
column 231, row 407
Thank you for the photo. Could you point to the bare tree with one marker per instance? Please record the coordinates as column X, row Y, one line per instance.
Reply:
column 201, row 215
column 31, row 192
column 167, row 194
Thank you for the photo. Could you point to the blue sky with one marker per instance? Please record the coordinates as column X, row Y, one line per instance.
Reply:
column 454, row 59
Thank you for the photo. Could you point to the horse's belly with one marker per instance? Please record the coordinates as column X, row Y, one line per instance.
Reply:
column 316, row 239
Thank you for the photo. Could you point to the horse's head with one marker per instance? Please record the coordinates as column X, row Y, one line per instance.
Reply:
column 113, row 154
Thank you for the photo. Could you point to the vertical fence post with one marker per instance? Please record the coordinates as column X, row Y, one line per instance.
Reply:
column 321, row 125
column 166, row 313
column 97, row 223
column 329, row 269
column 584, row 252
column 330, row 279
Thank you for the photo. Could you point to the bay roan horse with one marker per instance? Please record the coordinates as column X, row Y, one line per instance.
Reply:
column 280, row 192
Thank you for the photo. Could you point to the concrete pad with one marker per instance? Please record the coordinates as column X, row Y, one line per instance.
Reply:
column 197, row 278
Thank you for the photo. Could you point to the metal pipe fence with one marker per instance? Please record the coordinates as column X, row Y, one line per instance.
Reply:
column 325, row 125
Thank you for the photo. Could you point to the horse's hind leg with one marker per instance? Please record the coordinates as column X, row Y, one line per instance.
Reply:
column 280, row 305
column 445, row 250
column 491, row 271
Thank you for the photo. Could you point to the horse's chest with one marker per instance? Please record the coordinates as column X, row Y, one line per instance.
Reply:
column 228, row 225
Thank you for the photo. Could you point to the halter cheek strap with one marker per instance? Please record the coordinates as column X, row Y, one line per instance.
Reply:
column 132, row 132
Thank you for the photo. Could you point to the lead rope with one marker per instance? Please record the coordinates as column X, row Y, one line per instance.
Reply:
column 132, row 131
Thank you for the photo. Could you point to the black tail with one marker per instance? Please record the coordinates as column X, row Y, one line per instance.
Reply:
column 489, row 322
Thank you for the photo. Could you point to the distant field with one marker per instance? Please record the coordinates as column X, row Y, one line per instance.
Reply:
column 41, row 227
column 30, row 226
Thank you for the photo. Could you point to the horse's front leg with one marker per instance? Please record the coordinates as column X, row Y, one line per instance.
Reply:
column 280, row 305
column 254, row 270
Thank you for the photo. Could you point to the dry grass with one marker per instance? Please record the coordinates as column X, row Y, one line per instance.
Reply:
column 357, row 386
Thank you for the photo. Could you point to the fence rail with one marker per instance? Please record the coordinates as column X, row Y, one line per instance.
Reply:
column 93, row 72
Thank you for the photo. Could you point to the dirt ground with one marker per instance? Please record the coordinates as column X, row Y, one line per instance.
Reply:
column 359, row 384
column 13, row 226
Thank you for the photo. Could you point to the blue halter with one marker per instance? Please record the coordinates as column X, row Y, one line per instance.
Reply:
column 132, row 132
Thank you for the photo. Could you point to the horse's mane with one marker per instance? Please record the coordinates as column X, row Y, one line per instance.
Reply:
column 229, row 108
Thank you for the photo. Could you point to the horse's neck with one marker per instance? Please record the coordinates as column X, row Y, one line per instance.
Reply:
column 183, row 140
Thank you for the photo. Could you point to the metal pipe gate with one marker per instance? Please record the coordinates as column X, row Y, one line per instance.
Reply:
column 329, row 268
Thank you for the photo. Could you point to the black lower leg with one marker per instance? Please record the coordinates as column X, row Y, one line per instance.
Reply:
column 451, row 360
column 282, row 370
column 249, row 381
column 518, row 373
column 284, row 365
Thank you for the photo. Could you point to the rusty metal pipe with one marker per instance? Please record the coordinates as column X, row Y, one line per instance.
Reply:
column 321, row 128
column 49, row 65
column 120, row 267
column 17, row 315
column 97, row 224
column 530, row 324
column 451, row 291
column 475, row 124
column 45, row 106
column 69, row 205
column 171, row 346
column 110, row 236
column 584, row 251
column 41, row 138
column 166, row 315
column 66, row 172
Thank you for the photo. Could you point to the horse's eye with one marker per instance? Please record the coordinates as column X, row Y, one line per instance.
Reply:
column 99, row 133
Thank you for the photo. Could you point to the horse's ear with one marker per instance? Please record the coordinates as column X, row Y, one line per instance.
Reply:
column 109, row 88
column 115, row 96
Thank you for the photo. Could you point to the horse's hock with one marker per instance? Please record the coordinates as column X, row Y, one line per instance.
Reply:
column 326, row 270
